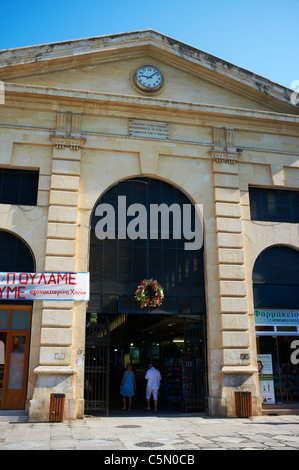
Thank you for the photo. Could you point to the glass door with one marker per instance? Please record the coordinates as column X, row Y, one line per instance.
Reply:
column 14, row 354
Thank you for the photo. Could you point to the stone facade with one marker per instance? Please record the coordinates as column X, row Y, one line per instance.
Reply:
column 67, row 113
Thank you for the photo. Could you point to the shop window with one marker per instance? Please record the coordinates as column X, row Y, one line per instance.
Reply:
column 18, row 187
column 281, row 385
column 274, row 205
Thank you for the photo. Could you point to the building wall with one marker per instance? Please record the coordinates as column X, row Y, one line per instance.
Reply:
column 81, row 146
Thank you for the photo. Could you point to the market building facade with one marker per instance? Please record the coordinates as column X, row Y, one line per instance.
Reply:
column 95, row 134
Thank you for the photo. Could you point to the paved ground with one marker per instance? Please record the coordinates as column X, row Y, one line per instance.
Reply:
column 152, row 432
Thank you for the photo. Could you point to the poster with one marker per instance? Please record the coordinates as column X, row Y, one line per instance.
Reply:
column 266, row 379
column 44, row 286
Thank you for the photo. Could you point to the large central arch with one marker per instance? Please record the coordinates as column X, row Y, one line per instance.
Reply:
column 117, row 266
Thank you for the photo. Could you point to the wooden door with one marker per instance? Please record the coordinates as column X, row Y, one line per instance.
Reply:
column 16, row 339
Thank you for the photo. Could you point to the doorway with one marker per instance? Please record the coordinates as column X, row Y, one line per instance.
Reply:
column 172, row 335
column 174, row 344
column 15, row 323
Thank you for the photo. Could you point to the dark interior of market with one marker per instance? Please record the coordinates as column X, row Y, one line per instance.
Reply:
column 140, row 340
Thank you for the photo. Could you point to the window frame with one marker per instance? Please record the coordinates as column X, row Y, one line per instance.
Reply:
column 20, row 186
column 257, row 203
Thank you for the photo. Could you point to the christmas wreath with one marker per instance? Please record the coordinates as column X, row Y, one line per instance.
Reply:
column 149, row 294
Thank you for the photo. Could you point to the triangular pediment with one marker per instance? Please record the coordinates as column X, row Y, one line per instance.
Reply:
column 105, row 65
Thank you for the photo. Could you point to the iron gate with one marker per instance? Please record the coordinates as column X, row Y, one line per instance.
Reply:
column 96, row 380
column 195, row 368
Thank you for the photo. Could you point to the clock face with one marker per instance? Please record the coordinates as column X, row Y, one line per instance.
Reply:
column 149, row 78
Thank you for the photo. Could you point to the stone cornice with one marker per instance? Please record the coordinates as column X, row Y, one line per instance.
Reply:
column 103, row 99
column 54, row 370
column 239, row 370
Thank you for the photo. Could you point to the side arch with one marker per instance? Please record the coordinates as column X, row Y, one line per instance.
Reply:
column 15, row 254
column 275, row 278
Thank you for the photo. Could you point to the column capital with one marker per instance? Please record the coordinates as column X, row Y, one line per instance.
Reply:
column 60, row 142
column 224, row 156
column 224, row 150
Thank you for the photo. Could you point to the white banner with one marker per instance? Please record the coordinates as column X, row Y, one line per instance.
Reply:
column 44, row 286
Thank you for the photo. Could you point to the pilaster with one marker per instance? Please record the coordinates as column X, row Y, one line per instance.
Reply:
column 55, row 370
column 238, row 366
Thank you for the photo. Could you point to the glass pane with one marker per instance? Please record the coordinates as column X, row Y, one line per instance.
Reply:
column 286, row 328
column 16, row 368
column 2, row 351
column 20, row 320
column 19, row 187
column 287, row 348
column 264, row 328
column 2, row 361
column 285, row 369
column 4, row 319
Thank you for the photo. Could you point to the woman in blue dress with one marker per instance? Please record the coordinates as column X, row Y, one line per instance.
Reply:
column 128, row 387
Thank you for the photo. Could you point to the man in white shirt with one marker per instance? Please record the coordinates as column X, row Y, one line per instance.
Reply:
column 153, row 378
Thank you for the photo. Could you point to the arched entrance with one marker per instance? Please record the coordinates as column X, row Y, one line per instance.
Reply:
column 15, row 325
column 276, row 303
column 173, row 335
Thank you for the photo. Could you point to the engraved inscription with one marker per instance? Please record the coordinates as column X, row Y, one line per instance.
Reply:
column 151, row 129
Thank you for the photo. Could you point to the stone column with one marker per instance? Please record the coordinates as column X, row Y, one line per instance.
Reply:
column 239, row 372
column 55, row 370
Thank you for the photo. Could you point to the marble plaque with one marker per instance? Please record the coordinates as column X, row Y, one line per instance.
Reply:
column 150, row 129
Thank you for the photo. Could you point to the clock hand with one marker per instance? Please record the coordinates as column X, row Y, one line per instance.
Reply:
column 148, row 76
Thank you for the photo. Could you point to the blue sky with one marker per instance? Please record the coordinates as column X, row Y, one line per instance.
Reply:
column 261, row 36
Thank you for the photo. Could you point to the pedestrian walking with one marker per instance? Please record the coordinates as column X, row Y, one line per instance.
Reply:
column 128, row 387
column 153, row 378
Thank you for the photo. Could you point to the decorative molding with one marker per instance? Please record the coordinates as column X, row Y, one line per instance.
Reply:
column 61, row 142
column 68, row 131
column 54, row 370
column 225, row 157
column 61, row 123
column 76, row 125
column 224, row 150
column 239, row 370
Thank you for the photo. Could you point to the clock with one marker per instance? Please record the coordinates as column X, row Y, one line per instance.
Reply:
column 148, row 78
